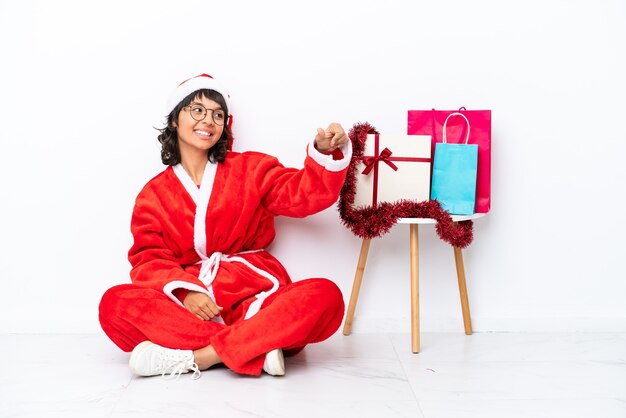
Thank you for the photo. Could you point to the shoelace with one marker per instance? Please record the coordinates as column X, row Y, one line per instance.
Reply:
column 174, row 366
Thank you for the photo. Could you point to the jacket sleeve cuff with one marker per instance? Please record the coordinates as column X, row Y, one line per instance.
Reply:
column 174, row 290
column 337, row 161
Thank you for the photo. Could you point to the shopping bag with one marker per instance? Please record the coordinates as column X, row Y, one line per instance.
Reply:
column 430, row 122
column 454, row 173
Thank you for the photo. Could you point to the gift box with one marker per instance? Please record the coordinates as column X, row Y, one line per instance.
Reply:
column 430, row 122
column 392, row 168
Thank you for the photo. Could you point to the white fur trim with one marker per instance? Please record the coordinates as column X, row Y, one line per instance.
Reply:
column 169, row 288
column 187, row 182
column 201, row 198
column 193, row 84
column 199, row 225
column 327, row 161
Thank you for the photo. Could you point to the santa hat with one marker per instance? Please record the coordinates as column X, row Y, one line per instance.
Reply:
column 199, row 82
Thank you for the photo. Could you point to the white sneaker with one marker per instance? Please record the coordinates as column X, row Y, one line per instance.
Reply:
column 274, row 363
column 150, row 359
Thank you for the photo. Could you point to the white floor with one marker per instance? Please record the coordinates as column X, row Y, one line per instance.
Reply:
column 364, row 375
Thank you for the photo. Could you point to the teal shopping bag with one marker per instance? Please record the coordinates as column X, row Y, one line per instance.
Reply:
column 454, row 174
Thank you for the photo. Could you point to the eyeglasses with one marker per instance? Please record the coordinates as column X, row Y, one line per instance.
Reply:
column 199, row 112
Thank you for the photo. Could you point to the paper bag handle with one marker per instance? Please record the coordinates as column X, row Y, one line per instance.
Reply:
column 446, row 122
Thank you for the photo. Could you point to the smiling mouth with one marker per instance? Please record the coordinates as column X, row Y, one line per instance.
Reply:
column 203, row 134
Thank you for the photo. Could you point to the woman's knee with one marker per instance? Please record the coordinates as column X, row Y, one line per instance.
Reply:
column 327, row 291
column 329, row 305
column 110, row 305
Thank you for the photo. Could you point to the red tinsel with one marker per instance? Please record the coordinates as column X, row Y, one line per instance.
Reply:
column 370, row 222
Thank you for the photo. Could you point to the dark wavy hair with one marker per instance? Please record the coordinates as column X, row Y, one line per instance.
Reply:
column 170, row 152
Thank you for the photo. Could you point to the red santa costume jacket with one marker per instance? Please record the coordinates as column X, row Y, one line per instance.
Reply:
column 212, row 239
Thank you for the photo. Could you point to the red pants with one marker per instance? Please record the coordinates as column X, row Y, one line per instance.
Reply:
column 298, row 314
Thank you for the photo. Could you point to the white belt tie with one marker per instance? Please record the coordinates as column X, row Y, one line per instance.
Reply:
column 211, row 265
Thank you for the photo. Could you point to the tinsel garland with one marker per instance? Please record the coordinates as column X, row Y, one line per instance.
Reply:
column 371, row 222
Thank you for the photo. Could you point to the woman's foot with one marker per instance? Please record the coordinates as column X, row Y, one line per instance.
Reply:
column 274, row 363
column 150, row 359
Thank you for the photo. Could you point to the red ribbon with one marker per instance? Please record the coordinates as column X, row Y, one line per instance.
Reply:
column 371, row 161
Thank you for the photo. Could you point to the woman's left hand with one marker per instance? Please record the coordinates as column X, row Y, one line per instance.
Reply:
column 329, row 140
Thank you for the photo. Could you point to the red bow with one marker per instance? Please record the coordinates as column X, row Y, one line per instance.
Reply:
column 370, row 162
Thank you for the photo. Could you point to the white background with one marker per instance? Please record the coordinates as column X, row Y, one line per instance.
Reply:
column 83, row 84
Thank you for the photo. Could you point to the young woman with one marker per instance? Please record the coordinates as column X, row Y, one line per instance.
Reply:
column 204, row 289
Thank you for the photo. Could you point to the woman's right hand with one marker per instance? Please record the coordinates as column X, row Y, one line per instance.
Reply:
column 201, row 305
